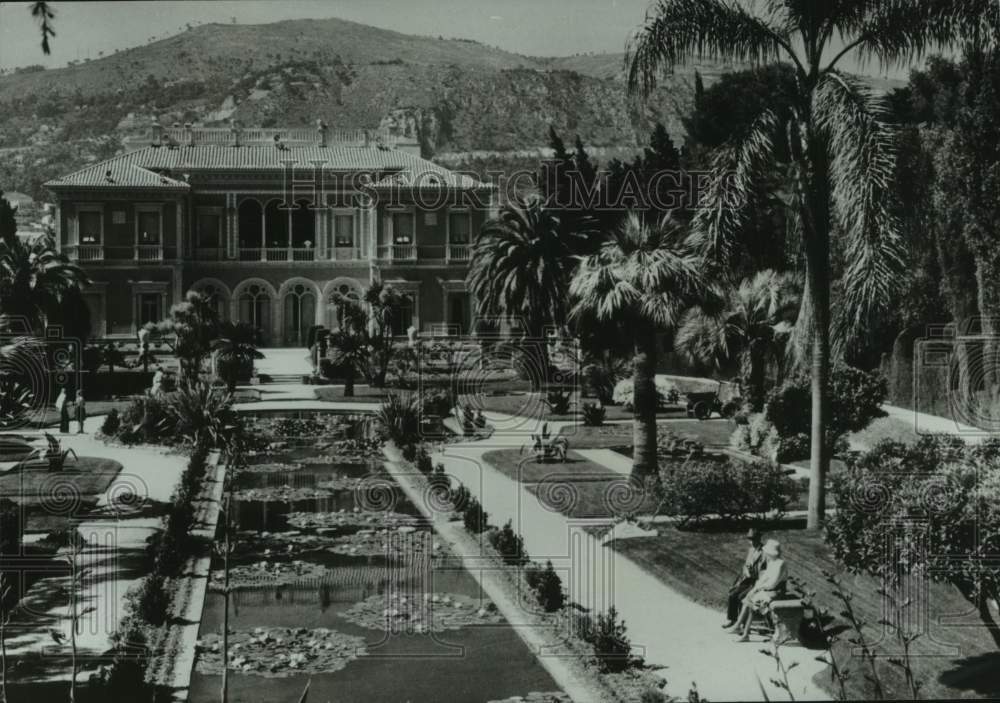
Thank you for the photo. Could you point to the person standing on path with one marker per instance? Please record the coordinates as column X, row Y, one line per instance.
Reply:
column 62, row 407
column 81, row 412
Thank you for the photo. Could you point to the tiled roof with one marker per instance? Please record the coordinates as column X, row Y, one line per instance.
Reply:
column 138, row 168
column 117, row 173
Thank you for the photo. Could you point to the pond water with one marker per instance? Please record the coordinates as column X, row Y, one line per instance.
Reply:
column 313, row 586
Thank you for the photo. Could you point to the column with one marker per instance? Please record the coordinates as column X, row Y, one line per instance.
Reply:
column 180, row 230
column 232, row 220
column 290, row 211
column 263, row 233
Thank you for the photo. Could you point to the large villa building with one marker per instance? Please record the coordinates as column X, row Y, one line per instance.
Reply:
column 269, row 224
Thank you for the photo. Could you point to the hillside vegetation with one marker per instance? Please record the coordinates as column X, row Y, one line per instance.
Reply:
column 454, row 96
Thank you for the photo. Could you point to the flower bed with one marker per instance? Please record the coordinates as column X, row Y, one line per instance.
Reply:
column 427, row 612
column 280, row 652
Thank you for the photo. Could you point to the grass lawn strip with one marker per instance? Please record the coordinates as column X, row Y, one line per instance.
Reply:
column 85, row 478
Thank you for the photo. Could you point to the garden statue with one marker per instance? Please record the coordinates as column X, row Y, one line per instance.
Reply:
column 411, row 335
column 157, row 386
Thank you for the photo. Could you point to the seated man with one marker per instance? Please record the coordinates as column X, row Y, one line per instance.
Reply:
column 747, row 578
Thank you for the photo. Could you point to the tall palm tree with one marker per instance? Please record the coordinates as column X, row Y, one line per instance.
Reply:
column 349, row 344
column 520, row 268
column 752, row 330
column 839, row 143
column 645, row 277
column 236, row 350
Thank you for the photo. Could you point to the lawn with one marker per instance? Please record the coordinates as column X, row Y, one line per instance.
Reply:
column 702, row 564
column 578, row 488
column 85, row 479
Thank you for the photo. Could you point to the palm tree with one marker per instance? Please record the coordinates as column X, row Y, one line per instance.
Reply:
column 521, row 267
column 752, row 330
column 35, row 280
column 236, row 350
column 645, row 277
column 349, row 344
column 839, row 143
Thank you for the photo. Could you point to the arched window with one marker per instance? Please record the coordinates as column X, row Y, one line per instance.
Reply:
column 255, row 309
column 300, row 314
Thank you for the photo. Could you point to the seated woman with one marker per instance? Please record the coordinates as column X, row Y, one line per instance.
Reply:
column 770, row 586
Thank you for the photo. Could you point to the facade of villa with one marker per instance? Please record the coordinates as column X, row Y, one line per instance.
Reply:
column 269, row 224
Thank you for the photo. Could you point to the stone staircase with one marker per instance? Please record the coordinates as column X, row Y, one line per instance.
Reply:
column 285, row 366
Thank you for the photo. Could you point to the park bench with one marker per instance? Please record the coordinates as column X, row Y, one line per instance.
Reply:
column 785, row 622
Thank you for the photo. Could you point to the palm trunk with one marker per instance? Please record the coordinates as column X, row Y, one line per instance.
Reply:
column 818, row 270
column 644, row 404
column 349, row 381
column 3, row 654
column 225, row 612
column 72, row 629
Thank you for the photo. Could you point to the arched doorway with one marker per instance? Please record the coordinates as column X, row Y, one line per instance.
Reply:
column 254, row 308
column 299, row 314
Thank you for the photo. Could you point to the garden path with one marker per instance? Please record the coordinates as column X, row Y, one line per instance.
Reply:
column 669, row 630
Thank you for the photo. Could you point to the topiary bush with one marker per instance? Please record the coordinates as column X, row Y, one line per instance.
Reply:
column 409, row 452
column 509, row 545
column 593, row 414
column 547, row 587
column 149, row 600
column 424, row 463
column 474, row 517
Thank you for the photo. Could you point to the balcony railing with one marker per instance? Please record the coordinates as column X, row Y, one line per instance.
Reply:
column 149, row 252
column 86, row 252
column 276, row 254
column 346, row 254
column 459, row 252
column 303, row 254
column 251, row 254
column 398, row 252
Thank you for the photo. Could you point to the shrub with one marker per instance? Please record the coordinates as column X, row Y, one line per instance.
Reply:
column 856, row 399
column 474, row 517
column 112, row 423
column 149, row 601
column 11, row 525
column 666, row 392
column 793, row 448
column 509, row 545
column 593, row 414
column 146, row 420
column 601, row 382
column 202, row 415
column 439, row 478
column 609, row 638
column 558, row 401
column 461, row 498
column 653, row 695
column 399, row 417
column 547, row 587
column 438, row 403
column 425, row 464
column 732, row 489
column 409, row 452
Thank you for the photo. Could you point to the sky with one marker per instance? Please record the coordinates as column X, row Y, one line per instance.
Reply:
column 531, row 27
